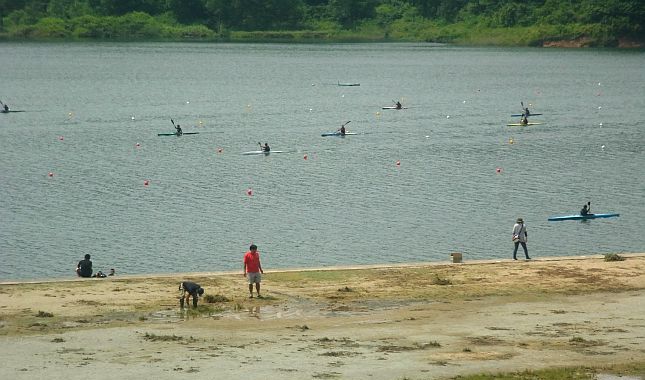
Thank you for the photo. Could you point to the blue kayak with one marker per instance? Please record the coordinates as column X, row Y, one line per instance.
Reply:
column 581, row 217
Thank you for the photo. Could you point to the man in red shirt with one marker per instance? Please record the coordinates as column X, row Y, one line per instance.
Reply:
column 253, row 269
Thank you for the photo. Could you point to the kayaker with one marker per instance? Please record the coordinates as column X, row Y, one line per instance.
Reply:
column 342, row 129
column 399, row 105
column 5, row 108
column 266, row 147
column 527, row 112
column 179, row 131
column 525, row 119
column 586, row 209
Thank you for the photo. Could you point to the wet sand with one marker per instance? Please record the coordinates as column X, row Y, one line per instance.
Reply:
column 421, row 321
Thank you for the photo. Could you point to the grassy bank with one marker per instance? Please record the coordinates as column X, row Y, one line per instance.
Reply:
column 138, row 26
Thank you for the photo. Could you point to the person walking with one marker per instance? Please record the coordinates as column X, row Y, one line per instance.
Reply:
column 253, row 269
column 84, row 267
column 520, row 237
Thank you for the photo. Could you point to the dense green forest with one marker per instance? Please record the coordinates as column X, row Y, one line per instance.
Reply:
column 501, row 22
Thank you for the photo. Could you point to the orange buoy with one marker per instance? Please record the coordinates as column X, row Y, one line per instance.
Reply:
column 498, row 170
column 146, row 182
column 249, row 192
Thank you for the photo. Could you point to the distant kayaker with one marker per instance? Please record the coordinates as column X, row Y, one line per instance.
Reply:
column 5, row 108
column 342, row 129
column 399, row 105
column 266, row 147
column 525, row 119
column 586, row 209
column 179, row 131
column 527, row 112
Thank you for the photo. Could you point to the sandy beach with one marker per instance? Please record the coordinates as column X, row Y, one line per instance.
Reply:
column 420, row 321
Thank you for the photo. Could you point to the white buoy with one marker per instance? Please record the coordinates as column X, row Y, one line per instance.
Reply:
column 132, row 117
column 602, row 147
column 342, row 96
column 599, row 107
column 311, row 109
column 464, row 102
column 601, row 124
column 447, row 116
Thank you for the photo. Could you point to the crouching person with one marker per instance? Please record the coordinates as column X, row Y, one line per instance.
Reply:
column 189, row 289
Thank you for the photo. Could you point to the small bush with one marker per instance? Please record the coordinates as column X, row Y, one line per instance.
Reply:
column 44, row 314
column 613, row 257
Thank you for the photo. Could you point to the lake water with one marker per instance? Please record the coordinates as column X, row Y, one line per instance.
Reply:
column 93, row 111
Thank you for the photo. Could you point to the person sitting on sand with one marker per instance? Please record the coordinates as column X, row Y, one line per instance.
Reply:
column 189, row 289
column 84, row 267
column 112, row 272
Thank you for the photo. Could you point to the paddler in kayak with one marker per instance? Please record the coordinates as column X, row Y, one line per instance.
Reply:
column 265, row 148
column 342, row 129
column 399, row 105
column 5, row 108
column 179, row 131
column 586, row 209
column 525, row 119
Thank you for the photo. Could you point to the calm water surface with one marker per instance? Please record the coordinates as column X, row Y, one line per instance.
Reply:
column 89, row 105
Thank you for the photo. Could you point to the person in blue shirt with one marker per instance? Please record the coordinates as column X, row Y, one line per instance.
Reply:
column 188, row 289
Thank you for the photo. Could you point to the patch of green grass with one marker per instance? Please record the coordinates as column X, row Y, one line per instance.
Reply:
column 215, row 298
column 613, row 257
column 569, row 373
column 167, row 338
column 441, row 281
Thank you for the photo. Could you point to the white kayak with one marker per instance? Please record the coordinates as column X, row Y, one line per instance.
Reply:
column 262, row 152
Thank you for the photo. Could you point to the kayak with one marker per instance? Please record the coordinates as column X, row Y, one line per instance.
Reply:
column 175, row 134
column 337, row 134
column 520, row 114
column 262, row 152
column 581, row 217
column 394, row 108
column 521, row 125
column 3, row 111
column 349, row 84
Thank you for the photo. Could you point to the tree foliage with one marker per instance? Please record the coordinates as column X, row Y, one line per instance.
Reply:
column 412, row 18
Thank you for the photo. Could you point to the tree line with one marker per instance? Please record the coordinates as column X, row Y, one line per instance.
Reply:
column 395, row 19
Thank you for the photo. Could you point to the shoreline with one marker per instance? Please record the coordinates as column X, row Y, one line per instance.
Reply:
column 310, row 269
column 421, row 321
